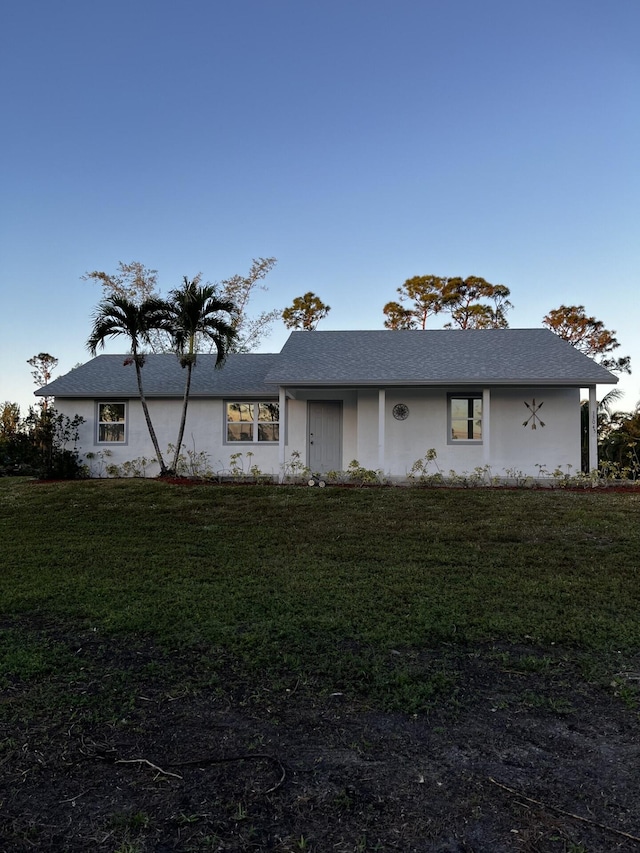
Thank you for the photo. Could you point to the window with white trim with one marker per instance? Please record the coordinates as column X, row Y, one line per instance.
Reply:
column 112, row 422
column 465, row 418
column 251, row 422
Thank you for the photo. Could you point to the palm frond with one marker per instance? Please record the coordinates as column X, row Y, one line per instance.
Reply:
column 118, row 316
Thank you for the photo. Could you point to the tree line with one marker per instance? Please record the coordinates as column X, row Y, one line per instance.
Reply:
column 43, row 442
column 474, row 303
column 192, row 318
column 468, row 303
column 199, row 316
column 138, row 283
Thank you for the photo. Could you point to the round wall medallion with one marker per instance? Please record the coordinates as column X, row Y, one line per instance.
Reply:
column 400, row 412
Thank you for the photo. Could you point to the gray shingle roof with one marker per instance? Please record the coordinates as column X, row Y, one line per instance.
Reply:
column 162, row 376
column 434, row 357
column 347, row 359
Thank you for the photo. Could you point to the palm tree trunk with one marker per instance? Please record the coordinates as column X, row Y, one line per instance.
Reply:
column 147, row 417
column 183, row 420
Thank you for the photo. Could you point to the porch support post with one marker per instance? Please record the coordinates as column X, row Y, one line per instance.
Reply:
column 593, row 429
column 486, row 428
column 381, row 419
column 282, row 434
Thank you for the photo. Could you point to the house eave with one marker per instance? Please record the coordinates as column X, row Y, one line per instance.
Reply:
column 264, row 393
column 440, row 383
column 150, row 395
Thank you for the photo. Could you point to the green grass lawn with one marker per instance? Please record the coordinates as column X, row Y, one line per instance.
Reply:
column 318, row 585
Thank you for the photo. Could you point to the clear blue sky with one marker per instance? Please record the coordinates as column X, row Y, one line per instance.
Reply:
column 360, row 142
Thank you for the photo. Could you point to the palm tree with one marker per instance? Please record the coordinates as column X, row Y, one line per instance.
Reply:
column 191, row 313
column 116, row 316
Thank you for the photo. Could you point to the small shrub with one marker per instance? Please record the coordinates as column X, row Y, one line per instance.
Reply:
column 519, row 478
column 294, row 470
column 192, row 463
column 136, row 467
column 420, row 470
column 240, row 474
column 480, row 476
column 96, row 462
column 356, row 473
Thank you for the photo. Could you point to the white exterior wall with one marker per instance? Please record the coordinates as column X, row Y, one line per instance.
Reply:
column 204, row 432
column 366, row 450
column 513, row 447
column 556, row 445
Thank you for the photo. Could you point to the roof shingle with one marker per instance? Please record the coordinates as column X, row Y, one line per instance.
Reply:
column 107, row 375
column 434, row 357
column 348, row 359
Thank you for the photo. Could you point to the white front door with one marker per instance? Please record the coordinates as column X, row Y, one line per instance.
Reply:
column 325, row 436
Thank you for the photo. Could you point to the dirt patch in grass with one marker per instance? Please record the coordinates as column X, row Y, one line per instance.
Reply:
column 119, row 745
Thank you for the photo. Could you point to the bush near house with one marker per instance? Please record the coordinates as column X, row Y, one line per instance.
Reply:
column 44, row 444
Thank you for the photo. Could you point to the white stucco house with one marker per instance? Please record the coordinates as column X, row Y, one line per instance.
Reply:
column 504, row 398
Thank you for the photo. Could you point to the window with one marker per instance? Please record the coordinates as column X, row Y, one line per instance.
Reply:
column 111, row 422
column 251, row 422
column 465, row 418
